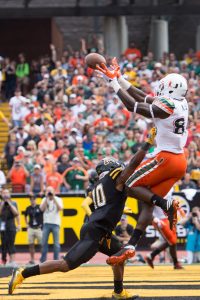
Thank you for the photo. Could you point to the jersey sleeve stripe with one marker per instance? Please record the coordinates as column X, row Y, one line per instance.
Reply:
column 168, row 102
column 116, row 174
column 164, row 107
column 114, row 171
column 165, row 104
column 141, row 172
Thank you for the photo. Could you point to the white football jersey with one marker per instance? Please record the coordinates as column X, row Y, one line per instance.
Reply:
column 171, row 132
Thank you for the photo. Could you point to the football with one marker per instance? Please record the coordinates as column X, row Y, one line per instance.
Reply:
column 94, row 59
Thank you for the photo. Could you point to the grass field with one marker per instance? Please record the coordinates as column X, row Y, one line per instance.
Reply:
column 95, row 282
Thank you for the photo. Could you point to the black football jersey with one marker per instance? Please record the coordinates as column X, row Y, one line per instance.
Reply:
column 108, row 201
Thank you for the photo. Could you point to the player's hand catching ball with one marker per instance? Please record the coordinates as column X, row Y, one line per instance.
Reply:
column 115, row 66
column 109, row 74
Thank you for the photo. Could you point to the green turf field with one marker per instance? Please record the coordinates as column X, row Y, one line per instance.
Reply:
column 95, row 282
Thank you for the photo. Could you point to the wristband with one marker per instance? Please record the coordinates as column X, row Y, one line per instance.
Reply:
column 151, row 111
column 145, row 99
column 124, row 83
column 115, row 85
column 135, row 107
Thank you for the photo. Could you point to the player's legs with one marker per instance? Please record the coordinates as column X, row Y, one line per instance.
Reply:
column 173, row 254
column 152, row 197
column 162, row 225
column 158, row 175
column 148, row 197
column 155, row 194
column 144, row 219
column 150, row 257
column 153, row 171
column 109, row 247
column 81, row 252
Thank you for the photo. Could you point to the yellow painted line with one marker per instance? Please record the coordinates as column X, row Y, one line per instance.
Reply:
column 87, row 277
column 74, row 294
column 100, row 284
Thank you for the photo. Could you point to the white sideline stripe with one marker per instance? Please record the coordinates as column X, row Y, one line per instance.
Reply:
column 144, row 174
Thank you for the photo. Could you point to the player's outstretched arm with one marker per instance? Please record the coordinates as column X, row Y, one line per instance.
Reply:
column 145, row 109
column 136, row 160
column 134, row 92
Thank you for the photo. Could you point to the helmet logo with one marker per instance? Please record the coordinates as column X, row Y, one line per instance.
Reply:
column 108, row 160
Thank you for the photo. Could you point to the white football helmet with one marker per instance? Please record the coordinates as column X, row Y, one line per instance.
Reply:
column 173, row 85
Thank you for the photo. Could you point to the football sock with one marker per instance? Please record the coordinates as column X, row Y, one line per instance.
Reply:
column 157, row 200
column 32, row 271
column 137, row 234
column 173, row 253
column 118, row 286
column 154, row 253
column 158, row 250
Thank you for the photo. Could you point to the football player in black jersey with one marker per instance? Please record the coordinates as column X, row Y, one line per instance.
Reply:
column 109, row 195
column 88, row 204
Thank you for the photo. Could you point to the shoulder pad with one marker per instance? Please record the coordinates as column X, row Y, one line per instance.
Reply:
column 165, row 104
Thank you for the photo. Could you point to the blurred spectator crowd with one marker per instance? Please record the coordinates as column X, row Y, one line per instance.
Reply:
column 65, row 118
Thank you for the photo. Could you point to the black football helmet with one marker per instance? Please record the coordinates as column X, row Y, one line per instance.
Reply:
column 93, row 176
column 108, row 164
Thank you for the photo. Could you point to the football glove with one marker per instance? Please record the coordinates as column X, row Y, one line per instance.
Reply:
column 108, row 74
column 115, row 66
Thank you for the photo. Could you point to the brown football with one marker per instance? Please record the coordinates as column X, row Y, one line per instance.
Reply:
column 94, row 59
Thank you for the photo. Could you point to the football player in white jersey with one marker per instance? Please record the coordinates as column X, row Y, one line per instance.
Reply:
column 169, row 112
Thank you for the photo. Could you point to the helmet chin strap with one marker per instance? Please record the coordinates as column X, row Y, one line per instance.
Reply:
column 180, row 99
